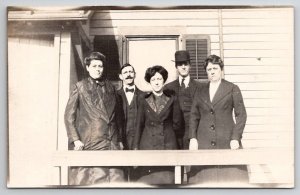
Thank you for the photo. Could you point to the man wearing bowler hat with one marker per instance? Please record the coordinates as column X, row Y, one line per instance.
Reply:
column 184, row 87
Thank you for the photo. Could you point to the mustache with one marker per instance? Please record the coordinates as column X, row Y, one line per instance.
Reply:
column 129, row 77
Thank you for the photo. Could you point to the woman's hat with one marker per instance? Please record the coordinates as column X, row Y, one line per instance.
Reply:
column 182, row 56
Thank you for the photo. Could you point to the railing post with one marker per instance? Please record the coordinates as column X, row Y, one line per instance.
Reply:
column 64, row 175
column 178, row 174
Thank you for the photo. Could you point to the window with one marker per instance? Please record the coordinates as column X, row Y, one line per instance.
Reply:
column 199, row 48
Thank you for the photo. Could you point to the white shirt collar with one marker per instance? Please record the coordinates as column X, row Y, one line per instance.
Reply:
column 186, row 80
column 129, row 87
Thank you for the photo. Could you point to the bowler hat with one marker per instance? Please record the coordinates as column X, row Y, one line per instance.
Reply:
column 182, row 56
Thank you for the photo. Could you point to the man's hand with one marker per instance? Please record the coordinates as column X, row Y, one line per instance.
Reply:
column 234, row 144
column 193, row 144
column 78, row 145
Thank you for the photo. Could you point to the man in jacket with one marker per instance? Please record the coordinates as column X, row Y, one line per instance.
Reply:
column 128, row 94
column 91, row 120
column 184, row 87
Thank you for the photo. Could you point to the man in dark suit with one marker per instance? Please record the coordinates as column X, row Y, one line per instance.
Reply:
column 129, row 94
column 184, row 87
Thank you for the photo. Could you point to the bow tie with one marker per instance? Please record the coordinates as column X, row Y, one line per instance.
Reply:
column 129, row 90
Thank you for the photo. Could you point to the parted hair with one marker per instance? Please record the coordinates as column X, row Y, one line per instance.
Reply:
column 150, row 72
column 214, row 59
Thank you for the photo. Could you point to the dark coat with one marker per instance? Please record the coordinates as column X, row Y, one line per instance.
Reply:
column 128, row 136
column 157, row 131
column 212, row 124
column 185, row 105
column 93, row 120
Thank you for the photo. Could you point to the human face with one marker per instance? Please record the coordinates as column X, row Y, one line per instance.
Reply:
column 214, row 72
column 183, row 68
column 127, row 75
column 95, row 69
column 157, row 82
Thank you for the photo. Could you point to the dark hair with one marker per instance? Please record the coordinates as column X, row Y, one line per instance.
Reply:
column 94, row 56
column 214, row 59
column 150, row 72
column 124, row 66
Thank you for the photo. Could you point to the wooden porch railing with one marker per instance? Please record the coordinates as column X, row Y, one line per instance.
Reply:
column 176, row 158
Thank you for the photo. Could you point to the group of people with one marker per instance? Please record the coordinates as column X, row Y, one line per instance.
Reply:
column 183, row 114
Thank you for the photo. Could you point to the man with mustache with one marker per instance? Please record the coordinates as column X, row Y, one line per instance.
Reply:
column 129, row 94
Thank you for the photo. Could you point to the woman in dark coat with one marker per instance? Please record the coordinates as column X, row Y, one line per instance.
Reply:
column 92, row 122
column 159, row 121
column 212, row 125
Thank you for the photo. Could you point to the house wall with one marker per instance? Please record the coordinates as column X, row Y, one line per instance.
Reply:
column 33, row 99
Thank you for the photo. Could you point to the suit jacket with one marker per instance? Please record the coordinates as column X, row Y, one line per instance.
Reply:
column 211, row 123
column 128, row 136
column 185, row 106
column 92, row 119
column 157, row 131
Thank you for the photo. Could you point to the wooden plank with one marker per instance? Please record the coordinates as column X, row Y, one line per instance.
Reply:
column 273, row 70
column 269, row 128
column 256, row 30
column 258, row 37
column 269, row 120
column 264, row 94
column 283, row 112
column 173, row 157
column 287, row 47
column 258, row 13
column 155, row 14
column 256, row 78
column 279, row 22
column 267, row 135
column 151, row 22
column 269, row 103
column 209, row 30
column 258, row 61
column 267, row 143
column 256, row 53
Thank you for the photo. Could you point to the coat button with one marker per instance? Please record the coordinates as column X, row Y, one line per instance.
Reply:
column 212, row 127
column 213, row 143
column 212, row 111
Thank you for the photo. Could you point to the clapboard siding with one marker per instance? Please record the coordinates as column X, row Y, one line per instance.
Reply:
column 258, row 53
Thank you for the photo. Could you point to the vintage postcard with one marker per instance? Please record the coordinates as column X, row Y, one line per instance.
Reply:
column 151, row 97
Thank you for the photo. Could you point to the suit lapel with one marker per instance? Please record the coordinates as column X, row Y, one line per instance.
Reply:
column 193, row 86
column 222, row 91
column 109, row 100
column 124, row 101
column 205, row 95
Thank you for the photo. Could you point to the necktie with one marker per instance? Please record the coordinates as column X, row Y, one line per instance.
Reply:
column 129, row 90
column 182, row 83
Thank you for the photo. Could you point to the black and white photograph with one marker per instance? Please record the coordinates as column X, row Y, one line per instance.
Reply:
column 198, row 96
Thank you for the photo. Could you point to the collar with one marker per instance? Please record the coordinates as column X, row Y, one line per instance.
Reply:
column 186, row 80
column 157, row 94
column 216, row 83
column 129, row 87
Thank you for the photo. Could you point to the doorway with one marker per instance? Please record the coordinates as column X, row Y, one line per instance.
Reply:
column 144, row 52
